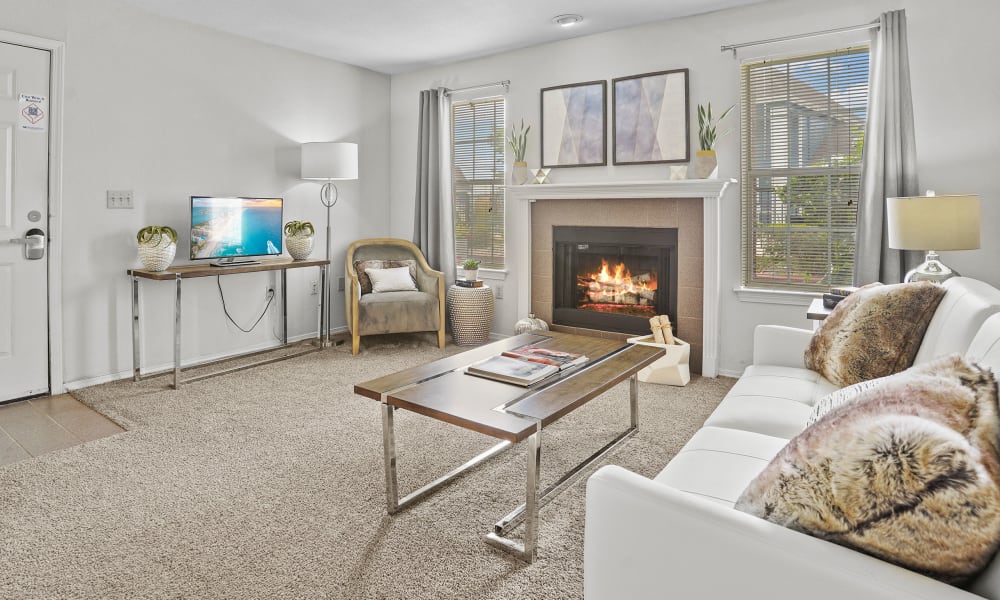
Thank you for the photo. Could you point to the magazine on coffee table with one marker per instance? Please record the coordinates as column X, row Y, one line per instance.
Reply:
column 525, row 365
column 547, row 356
column 511, row 370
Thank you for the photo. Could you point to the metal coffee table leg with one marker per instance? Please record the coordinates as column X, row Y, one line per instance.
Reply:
column 392, row 500
column 528, row 512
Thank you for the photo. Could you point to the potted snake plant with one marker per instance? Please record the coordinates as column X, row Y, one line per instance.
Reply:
column 518, row 142
column 299, row 237
column 157, row 246
column 705, row 160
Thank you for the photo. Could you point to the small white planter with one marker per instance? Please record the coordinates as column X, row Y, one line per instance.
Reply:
column 673, row 368
column 471, row 274
column 300, row 247
column 157, row 257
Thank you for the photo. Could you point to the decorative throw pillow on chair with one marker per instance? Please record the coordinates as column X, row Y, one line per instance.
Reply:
column 391, row 280
column 874, row 332
column 361, row 268
column 908, row 471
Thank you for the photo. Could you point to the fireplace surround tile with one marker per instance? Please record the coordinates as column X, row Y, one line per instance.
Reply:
column 690, row 271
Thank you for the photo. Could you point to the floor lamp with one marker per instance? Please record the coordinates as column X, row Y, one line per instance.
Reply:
column 329, row 161
column 933, row 223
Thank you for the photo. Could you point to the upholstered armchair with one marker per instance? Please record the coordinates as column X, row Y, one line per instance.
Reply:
column 373, row 312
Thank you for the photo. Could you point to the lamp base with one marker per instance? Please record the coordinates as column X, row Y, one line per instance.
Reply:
column 932, row 269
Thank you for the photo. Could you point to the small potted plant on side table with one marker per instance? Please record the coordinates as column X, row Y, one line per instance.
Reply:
column 471, row 268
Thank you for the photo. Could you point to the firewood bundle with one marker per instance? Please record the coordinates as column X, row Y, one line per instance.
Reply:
column 662, row 330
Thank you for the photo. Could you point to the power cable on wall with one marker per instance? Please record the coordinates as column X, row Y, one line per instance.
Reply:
column 270, row 298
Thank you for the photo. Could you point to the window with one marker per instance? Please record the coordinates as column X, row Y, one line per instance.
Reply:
column 803, row 129
column 477, row 179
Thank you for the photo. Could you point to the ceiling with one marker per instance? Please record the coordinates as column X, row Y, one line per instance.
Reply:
column 396, row 36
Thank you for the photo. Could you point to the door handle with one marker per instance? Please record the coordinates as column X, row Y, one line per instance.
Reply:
column 33, row 242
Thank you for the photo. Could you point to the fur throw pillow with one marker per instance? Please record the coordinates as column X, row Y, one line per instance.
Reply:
column 361, row 267
column 909, row 472
column 874, row 332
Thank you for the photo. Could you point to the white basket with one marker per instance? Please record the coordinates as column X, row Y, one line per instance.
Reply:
column 300, row 247
column 672, row 368
column 158, row 257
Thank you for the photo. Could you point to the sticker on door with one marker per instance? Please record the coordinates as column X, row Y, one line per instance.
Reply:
column 33, row 112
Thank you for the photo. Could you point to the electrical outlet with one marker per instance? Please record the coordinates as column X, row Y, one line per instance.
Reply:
column 120, row 199
column 340, row 284
column 313, row 287
column 498, row 291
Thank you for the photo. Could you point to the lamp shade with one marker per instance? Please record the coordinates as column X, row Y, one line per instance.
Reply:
column 329, row 160
column 933, row 222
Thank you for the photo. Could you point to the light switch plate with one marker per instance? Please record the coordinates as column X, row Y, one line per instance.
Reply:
column 120, row 199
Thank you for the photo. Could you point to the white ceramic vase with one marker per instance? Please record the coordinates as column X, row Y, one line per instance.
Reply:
column 519, row 174
column 706, row 164
column 158, row 256
column 300, row 247
column 471, row 274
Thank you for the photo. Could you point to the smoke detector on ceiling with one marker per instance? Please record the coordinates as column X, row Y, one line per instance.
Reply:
column 567, row 20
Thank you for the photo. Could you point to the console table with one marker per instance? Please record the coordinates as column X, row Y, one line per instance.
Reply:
column 178, row 274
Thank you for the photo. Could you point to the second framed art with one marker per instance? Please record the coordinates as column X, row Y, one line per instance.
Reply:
column 574, row 122
column 650, row 118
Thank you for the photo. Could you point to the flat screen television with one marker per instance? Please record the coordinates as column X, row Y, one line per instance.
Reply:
column 233, row 231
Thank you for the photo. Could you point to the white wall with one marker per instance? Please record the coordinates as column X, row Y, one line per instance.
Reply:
column 169, row 110
column 955, row 102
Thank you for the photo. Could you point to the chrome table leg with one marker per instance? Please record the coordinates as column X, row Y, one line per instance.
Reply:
column 136, row 342
column 177, row 336
column 393, row 503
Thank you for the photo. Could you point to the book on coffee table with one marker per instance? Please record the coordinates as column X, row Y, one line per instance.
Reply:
column 511, row 370
column 547, row 356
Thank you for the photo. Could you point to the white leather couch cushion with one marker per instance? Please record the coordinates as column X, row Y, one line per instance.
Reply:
column 962, row 311
column 771, row 400
column 719, row 463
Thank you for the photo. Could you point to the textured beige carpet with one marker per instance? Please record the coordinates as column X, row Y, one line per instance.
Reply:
column 268, row 483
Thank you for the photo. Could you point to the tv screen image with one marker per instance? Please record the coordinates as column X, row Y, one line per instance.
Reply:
column 231, row 229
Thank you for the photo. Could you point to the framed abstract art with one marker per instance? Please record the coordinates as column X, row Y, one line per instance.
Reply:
column 574, row 121
column 650, row 118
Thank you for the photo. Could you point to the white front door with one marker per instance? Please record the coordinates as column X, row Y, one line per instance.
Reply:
column 24, row 149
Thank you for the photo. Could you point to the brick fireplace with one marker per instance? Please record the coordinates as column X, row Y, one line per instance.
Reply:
column 690, row 207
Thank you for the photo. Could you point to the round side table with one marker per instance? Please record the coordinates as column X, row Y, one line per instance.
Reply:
column 471, row 311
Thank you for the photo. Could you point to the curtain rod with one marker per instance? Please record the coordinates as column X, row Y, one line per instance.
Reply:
column 505, row 84
column 800, row 36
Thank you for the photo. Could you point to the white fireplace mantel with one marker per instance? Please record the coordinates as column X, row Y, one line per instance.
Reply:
column 710, row 191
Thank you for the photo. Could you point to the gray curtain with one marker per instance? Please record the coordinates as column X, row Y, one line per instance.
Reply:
column 889, row 159
column 433, row 231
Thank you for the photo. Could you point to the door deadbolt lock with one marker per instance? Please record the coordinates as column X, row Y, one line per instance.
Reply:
column 33, row 242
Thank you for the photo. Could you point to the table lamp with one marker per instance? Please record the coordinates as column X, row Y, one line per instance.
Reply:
column 329, row 161
column 938, row 222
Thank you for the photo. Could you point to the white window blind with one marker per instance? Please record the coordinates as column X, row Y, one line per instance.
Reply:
column 477, row 180
column 803, row 128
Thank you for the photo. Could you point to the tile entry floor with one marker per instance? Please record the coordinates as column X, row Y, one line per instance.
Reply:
column 32, row 427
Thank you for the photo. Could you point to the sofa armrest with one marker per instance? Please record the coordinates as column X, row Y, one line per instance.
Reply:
column 779, row 345
column 644, row 539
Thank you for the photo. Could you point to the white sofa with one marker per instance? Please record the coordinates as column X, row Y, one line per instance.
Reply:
column 678, row 536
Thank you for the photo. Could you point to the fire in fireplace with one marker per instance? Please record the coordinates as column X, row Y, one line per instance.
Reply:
column 616, row 290
column 614, row 278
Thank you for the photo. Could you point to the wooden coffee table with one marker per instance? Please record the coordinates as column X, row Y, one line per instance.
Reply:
column 511, row 413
